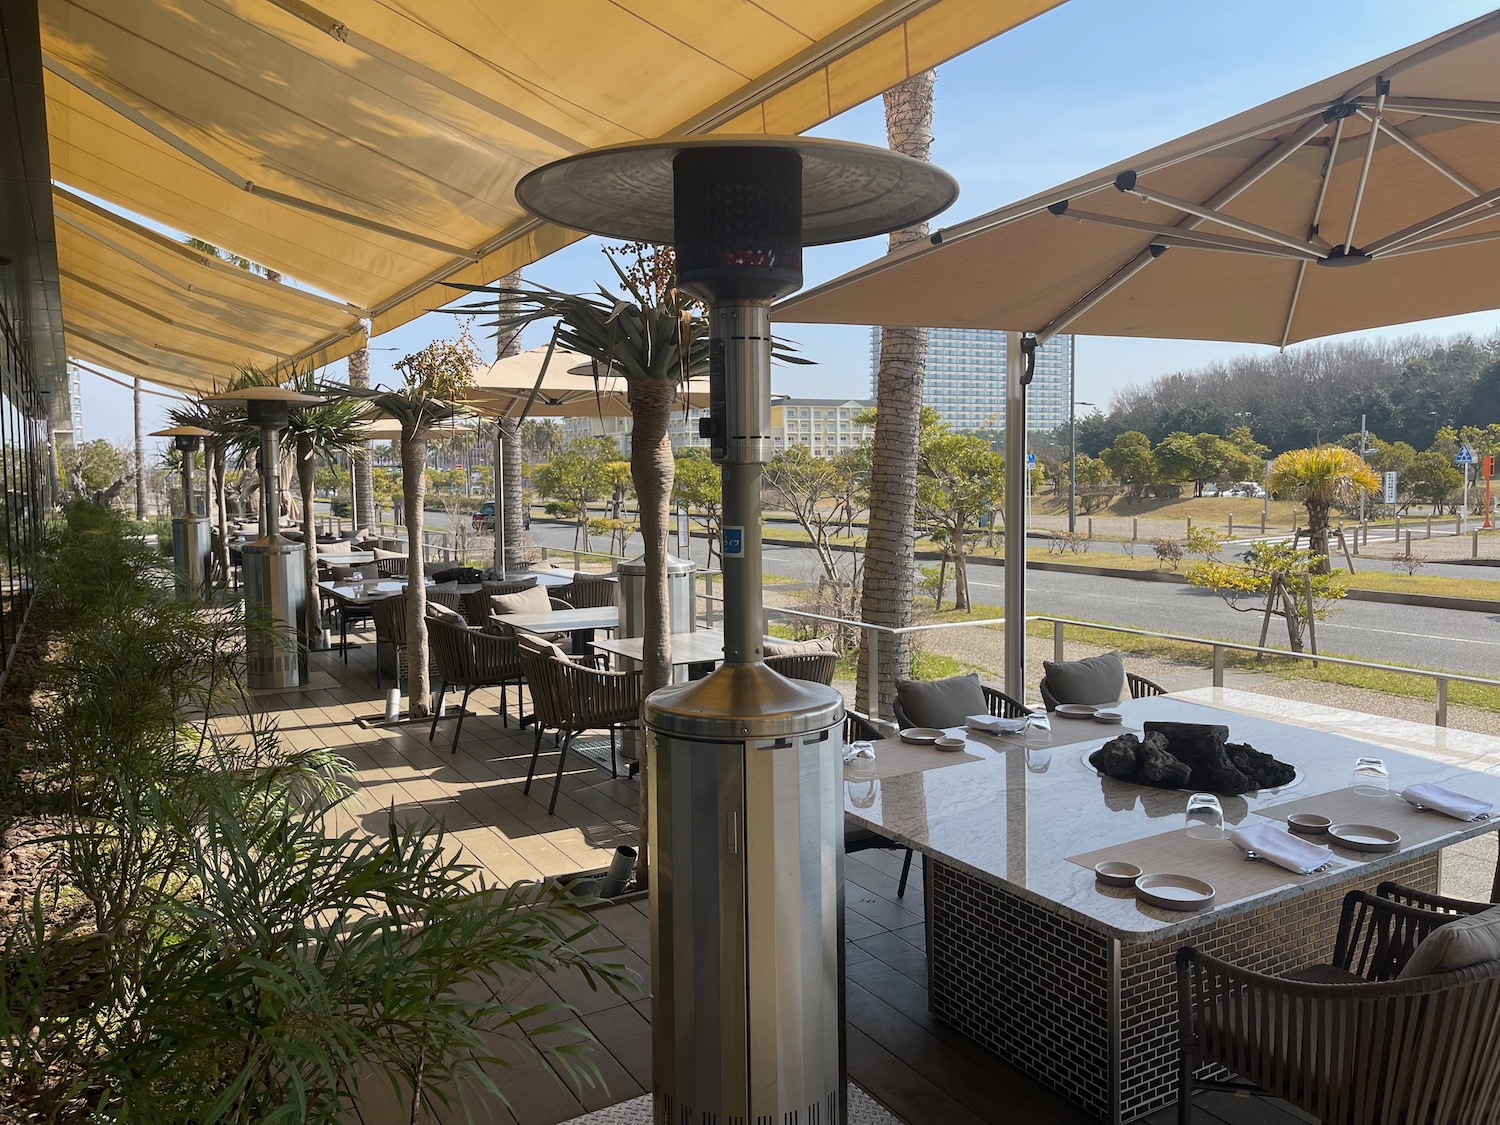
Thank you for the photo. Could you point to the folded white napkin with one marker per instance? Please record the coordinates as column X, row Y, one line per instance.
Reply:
column 861, row 749
column 1432, row 796
column 994, row 724
column 1274, row 843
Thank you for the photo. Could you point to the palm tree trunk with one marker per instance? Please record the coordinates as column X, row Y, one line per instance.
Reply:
column 140, row 457
column 1317, row 534
column 653, row 470
column 220, row 511
column 889, row 563
column 314, row 614
column 364, row 473
column 509, row 344
column 510, row 453
column 414, row 489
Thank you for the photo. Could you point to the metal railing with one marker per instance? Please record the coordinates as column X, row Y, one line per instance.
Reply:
column 1218, row 649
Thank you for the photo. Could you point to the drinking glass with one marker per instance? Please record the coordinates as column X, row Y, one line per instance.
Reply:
column 1205, row 817
column 1371, row 778
column 1038, row 758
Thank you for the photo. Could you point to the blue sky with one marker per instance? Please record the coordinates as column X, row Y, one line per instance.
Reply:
column 1090, row 82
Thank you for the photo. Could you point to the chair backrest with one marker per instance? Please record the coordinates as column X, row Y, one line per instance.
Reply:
column 592, row 591
column 558, row 605
column 1142, row 688
column 815, row 666
column 452, row 650
column 857, row 728
column 390, row 619
column 392, row 567
column 541, row 664
column 450, row 598
column 938, row 703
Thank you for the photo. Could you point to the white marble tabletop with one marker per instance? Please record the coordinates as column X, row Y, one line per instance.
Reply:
column 1016, row 814
column 699, row 647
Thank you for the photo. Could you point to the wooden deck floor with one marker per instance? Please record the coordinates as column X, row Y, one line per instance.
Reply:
column 922, row 1070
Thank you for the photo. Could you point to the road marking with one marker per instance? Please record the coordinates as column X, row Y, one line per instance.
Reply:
column 1405, row 633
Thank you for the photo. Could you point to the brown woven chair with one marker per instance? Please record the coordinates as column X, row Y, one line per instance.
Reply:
column 571, row 697
column 450, row 598
column 593, row 591
column 1141, row 688
column 815, row 666
column 392, row 567
column 1350, row 1043
column 996, row 702
column 390, row 629
column 859, row 839
column 469, row 659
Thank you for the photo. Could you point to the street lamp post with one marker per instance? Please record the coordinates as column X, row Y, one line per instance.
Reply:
column 1073, row 462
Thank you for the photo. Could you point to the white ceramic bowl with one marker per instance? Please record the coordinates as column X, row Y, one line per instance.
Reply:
column 950, row 744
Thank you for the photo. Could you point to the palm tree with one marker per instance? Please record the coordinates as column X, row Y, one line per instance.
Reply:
column 317, row 430
column 1320, row 478
column 889, row 565
column 435, row 378
column 365, row 515
column 656, row 343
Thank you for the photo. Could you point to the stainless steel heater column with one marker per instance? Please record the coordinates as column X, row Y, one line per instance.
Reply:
column 746, row 832
column 275, row 567
column 190, row 534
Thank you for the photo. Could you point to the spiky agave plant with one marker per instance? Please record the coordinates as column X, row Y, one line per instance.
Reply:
column 1321, row 478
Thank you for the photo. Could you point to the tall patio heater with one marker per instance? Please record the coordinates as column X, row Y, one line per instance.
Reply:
column 275, row 567
column 747, row 880
column 190, row 536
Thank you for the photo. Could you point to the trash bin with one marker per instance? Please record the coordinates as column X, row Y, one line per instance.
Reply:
column 682, row 595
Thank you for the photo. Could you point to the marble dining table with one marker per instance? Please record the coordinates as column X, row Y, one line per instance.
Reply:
column 1072, row 981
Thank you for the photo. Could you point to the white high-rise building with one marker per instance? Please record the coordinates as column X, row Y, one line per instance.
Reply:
column 965, row 380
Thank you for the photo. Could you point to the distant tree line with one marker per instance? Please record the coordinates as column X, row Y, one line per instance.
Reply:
column 1408, row 389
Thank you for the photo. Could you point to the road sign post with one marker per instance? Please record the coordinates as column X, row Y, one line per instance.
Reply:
column 1390, row 487
column 1487, row 470
column 1465, row 457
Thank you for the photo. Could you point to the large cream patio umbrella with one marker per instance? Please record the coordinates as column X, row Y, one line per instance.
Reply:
column 550, row 383
column 1363, row 200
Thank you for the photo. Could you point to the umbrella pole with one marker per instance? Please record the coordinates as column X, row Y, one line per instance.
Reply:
column 499, row 497
column 1015, row 517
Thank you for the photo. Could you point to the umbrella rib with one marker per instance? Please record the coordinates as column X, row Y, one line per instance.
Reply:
column 1210, row 215
column 1482, row 112
column 1443, row 244
column 1382, row 88
column 1442, row 222
column 1186, row 236
column 1098, row 293
column 1422, row 154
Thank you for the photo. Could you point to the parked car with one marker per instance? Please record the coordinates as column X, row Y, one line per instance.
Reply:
column 1247, row 488
column 484, row 517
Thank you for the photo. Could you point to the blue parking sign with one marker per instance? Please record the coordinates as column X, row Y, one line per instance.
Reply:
column 734, row 542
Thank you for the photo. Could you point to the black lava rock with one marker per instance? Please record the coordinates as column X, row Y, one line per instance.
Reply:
column 1119, row 757
column 1159, row 767
column 1262, row 770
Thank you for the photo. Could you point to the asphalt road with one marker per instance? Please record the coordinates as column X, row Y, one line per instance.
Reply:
column 1450, row 640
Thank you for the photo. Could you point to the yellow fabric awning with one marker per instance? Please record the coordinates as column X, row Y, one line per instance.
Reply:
column 149, row 306
column 370, row 150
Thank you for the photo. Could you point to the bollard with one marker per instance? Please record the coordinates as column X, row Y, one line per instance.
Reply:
column 1458, row 524
column 1474, row 552
column 1190, row 525
column 1429, row 527
column 1263, row 523
column 1091, row 527
column 1135, row 529
column 1231, row 525
column 1408, row 544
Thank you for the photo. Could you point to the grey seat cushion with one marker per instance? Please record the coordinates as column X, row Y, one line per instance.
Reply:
column 1459, row 944
column 1094, row 680
column 436, row 611
column 941, row 703
column 533, row 599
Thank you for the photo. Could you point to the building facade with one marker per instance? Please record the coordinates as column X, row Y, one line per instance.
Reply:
column 965, row 380
column 825, row 426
